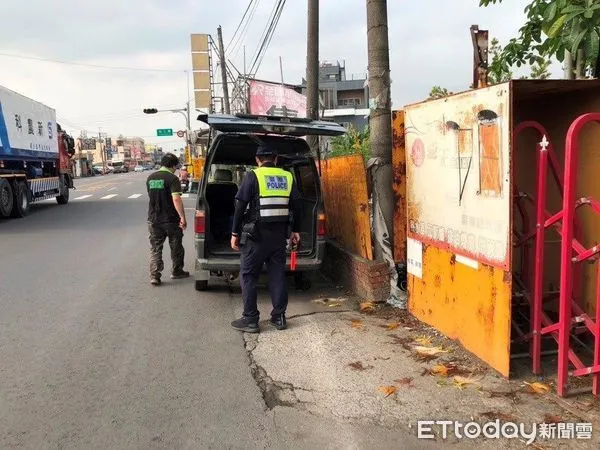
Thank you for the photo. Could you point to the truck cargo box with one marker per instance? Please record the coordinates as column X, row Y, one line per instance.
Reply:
column 27, row 128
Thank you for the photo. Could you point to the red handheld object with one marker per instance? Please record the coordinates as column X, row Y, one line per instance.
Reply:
column 293, row 260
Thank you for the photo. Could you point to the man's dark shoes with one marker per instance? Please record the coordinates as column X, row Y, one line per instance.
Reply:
column 279, row 321
column 179, row 274
column 155, row 281
column 246, row 325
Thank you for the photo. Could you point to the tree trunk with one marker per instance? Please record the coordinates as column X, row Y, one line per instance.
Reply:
column 380, row 123
column 580, row 65
column 569, row 73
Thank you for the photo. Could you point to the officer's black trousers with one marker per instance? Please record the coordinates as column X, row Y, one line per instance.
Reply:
column 270, row 250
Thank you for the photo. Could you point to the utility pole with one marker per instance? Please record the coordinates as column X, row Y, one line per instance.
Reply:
column 223, row 71
column 102, row 155
column 380, row 123
column 312, row 69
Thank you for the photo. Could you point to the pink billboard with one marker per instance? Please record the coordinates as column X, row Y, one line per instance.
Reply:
column 271, row 99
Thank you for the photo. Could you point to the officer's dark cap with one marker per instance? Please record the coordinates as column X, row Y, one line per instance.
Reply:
column 265, row 150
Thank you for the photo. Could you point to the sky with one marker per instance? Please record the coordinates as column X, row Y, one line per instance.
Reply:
column 429, row 45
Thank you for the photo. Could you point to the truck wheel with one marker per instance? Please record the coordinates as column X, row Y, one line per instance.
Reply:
column 63, row 198
column 22, row 199
column 201, row 285
column 6, row 198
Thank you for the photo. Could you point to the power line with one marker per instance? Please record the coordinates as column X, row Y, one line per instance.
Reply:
column 270, row 37
column 264, row 33
column 240, row 24
column 267, row 35
column 95, row 66
column 237, row 45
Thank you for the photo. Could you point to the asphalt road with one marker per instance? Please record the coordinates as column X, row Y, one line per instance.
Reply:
column 92, row 356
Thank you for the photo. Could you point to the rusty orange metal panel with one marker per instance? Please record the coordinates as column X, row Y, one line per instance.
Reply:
column 458, row 191
column 344, row 181
column 399, row 185
column 467, row 301
column 458, row 174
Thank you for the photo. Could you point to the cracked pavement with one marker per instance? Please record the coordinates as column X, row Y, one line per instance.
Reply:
column 305, row 371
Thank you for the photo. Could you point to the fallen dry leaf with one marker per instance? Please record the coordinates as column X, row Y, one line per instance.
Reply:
column 423, row 340
column 329, row 301
column 442, row 370
column 424, row 357
column 493, row 415
column 391, row 325
column 549, row 418
column 537, row 388
column 461, row 382
column 357, row 365
column 407, row 381
column 334, row 304
column 367, row 306
column 387, row 390
column 356, row 323
column 403, row 341
column 429, row 350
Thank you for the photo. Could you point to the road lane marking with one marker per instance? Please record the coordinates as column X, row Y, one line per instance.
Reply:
column 83, row 197
column 108, row 197
column 111, row 189
column 135, row 196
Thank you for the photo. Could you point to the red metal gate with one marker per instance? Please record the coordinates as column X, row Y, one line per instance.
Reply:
column 572, row 320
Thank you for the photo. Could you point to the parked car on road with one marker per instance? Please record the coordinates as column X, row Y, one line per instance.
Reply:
column 138, row 169
column 230, row 156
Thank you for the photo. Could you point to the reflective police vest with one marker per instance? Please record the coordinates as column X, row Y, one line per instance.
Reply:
column 274, row 188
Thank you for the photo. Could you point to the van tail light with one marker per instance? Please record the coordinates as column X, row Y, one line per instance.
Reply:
column 321, row 225
column 200, row 222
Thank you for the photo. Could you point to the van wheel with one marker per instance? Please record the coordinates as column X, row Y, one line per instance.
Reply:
column 6, row 198
column 22, row 199
column 201, row 285
column 301, row 282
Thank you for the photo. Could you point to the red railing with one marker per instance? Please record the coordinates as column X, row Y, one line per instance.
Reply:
column 573, row 253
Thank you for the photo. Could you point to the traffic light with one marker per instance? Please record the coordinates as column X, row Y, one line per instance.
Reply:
column 150, row 111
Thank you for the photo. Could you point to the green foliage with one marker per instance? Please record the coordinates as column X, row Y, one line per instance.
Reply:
column 554, row 27
column 499, row 70
column 353, row 142
column 438, row 92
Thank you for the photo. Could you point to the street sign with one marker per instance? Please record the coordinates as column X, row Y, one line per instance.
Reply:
column 180, row 134
column 164, row 132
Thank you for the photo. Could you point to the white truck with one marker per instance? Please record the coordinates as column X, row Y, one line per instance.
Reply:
column 35, row 155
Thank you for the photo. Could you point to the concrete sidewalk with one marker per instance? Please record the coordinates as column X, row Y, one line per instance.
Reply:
column 370, row 376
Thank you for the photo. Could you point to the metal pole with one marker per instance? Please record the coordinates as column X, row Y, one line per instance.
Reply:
column 223, row 71
column 380, row 123
column 102, row 156
column 312, row 69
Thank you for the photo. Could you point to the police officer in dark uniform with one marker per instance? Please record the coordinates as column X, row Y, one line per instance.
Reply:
column 260, row 229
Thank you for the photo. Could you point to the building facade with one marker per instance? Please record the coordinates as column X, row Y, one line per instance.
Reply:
column 343, row 100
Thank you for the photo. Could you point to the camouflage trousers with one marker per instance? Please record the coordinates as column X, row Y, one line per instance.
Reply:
column 158, row 234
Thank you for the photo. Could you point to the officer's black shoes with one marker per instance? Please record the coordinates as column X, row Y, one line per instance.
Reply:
column 279, row 322
column 246, row 325
column 155, row 281
column 179, row 274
